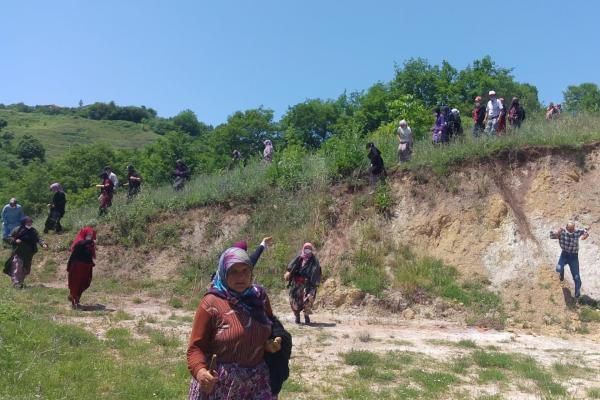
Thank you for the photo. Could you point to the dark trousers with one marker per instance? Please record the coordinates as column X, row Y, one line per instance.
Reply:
column 53, row 221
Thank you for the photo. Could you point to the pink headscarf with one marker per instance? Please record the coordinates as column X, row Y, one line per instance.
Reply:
column 55, row 187
column 306, row 257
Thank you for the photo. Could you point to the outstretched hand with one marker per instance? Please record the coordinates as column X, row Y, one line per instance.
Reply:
column 268, row 241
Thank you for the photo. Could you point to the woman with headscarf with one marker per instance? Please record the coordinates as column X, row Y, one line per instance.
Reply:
column 180, row 174
column 80, row 264
column 24, row 240
column 405, row 141
column 231, row 334
column 107, row 188
column 56, row 209
column 268, row 151
column 516, row 114
column 304, row 277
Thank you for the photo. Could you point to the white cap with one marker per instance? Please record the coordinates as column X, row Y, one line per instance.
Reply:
column 13, row 200
column 492, row 93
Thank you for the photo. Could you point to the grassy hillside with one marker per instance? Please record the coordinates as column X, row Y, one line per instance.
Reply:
column 58, row 133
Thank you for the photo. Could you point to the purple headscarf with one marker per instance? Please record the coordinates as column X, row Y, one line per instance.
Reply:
column 55, row 187
column 253, row 300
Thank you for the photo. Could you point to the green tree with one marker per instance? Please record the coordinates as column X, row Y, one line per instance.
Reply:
column 3, row 123
column 158, row 159
column 244, row 131
column 584, row 97
column 30, row 148
column 418, row 116
column 187, row 122
column 310, row 123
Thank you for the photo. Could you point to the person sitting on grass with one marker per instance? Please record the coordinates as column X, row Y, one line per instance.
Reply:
column 568, row 239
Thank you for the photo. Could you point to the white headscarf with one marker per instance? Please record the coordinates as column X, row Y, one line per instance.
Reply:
column 404, row 133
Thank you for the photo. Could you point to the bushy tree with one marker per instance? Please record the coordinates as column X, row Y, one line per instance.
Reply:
column 310, row 123
column 584, row 97
column 187, row 122
column 30, row 148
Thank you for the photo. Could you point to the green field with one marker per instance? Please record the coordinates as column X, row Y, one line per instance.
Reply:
column 58, row 132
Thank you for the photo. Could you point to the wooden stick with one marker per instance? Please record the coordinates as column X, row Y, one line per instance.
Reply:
column 213, row 363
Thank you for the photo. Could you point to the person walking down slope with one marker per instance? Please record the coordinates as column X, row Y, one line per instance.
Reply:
column 492, row 114
column 405, row 141
column 568, row 239
column 377, row 170
column 268, row 151
column 134, row 182
column 181, row 174
column 553, row 111
column 516, row 114
column 478, row 117
column 232, row 324
column 56, row 209
column 11, row 217
column 106, row 193
column 112, row 176
column 439, row 127
column 80, row 264
column 24, row 240
column 304, row 277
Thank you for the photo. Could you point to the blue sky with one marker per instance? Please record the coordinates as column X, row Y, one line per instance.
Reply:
column 218, row 57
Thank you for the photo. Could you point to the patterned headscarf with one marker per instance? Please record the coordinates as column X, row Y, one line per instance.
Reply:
column 55, row 187
column 81, row 236
column 306, row 257
column 253, row 300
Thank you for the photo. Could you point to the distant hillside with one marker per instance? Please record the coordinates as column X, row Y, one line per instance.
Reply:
column 57, row 132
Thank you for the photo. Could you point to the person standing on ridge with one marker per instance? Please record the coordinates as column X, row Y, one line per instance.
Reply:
column 516, row 114
column 439, row 127
column 492, row 111
column 405, row 141
column 501, row 129
column 478, row 117
column 181, row 174
column 377, row 170
column 56, row 209
column 268, row 151
column 11, row 217
column 568, row 239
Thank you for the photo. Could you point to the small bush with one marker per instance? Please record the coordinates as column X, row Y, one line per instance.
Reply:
column 360, row 358
column 589, row 315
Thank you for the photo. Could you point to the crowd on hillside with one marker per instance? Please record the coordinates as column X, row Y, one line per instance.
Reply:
column 238, row 348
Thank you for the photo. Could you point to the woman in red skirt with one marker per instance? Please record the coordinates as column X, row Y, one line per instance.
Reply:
column 80, row 264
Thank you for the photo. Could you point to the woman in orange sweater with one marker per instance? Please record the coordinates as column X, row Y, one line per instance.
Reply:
column 232, row 325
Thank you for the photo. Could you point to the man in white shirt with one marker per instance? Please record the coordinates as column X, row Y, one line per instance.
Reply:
column 112, row 176
column 492, row 113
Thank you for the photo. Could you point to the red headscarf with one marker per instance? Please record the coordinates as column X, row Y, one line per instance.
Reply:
column 86, row 230
column 306, row 257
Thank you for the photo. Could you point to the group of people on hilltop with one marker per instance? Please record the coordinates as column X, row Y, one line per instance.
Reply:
column 492, row 118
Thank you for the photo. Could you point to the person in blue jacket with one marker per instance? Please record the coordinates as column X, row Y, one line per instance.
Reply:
column 11, row 217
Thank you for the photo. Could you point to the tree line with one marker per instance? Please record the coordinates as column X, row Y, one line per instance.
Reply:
column 336, row 127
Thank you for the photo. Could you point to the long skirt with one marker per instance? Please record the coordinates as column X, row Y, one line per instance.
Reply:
column 237, row 383
column 300, row 299
column 20, row 267
column 53, row 221
column 404, row 151
column 80, row 278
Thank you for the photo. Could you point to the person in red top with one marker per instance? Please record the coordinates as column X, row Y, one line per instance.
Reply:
column 107, row 188
column 80, row 264
column 501, row 129
column 233, row 326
